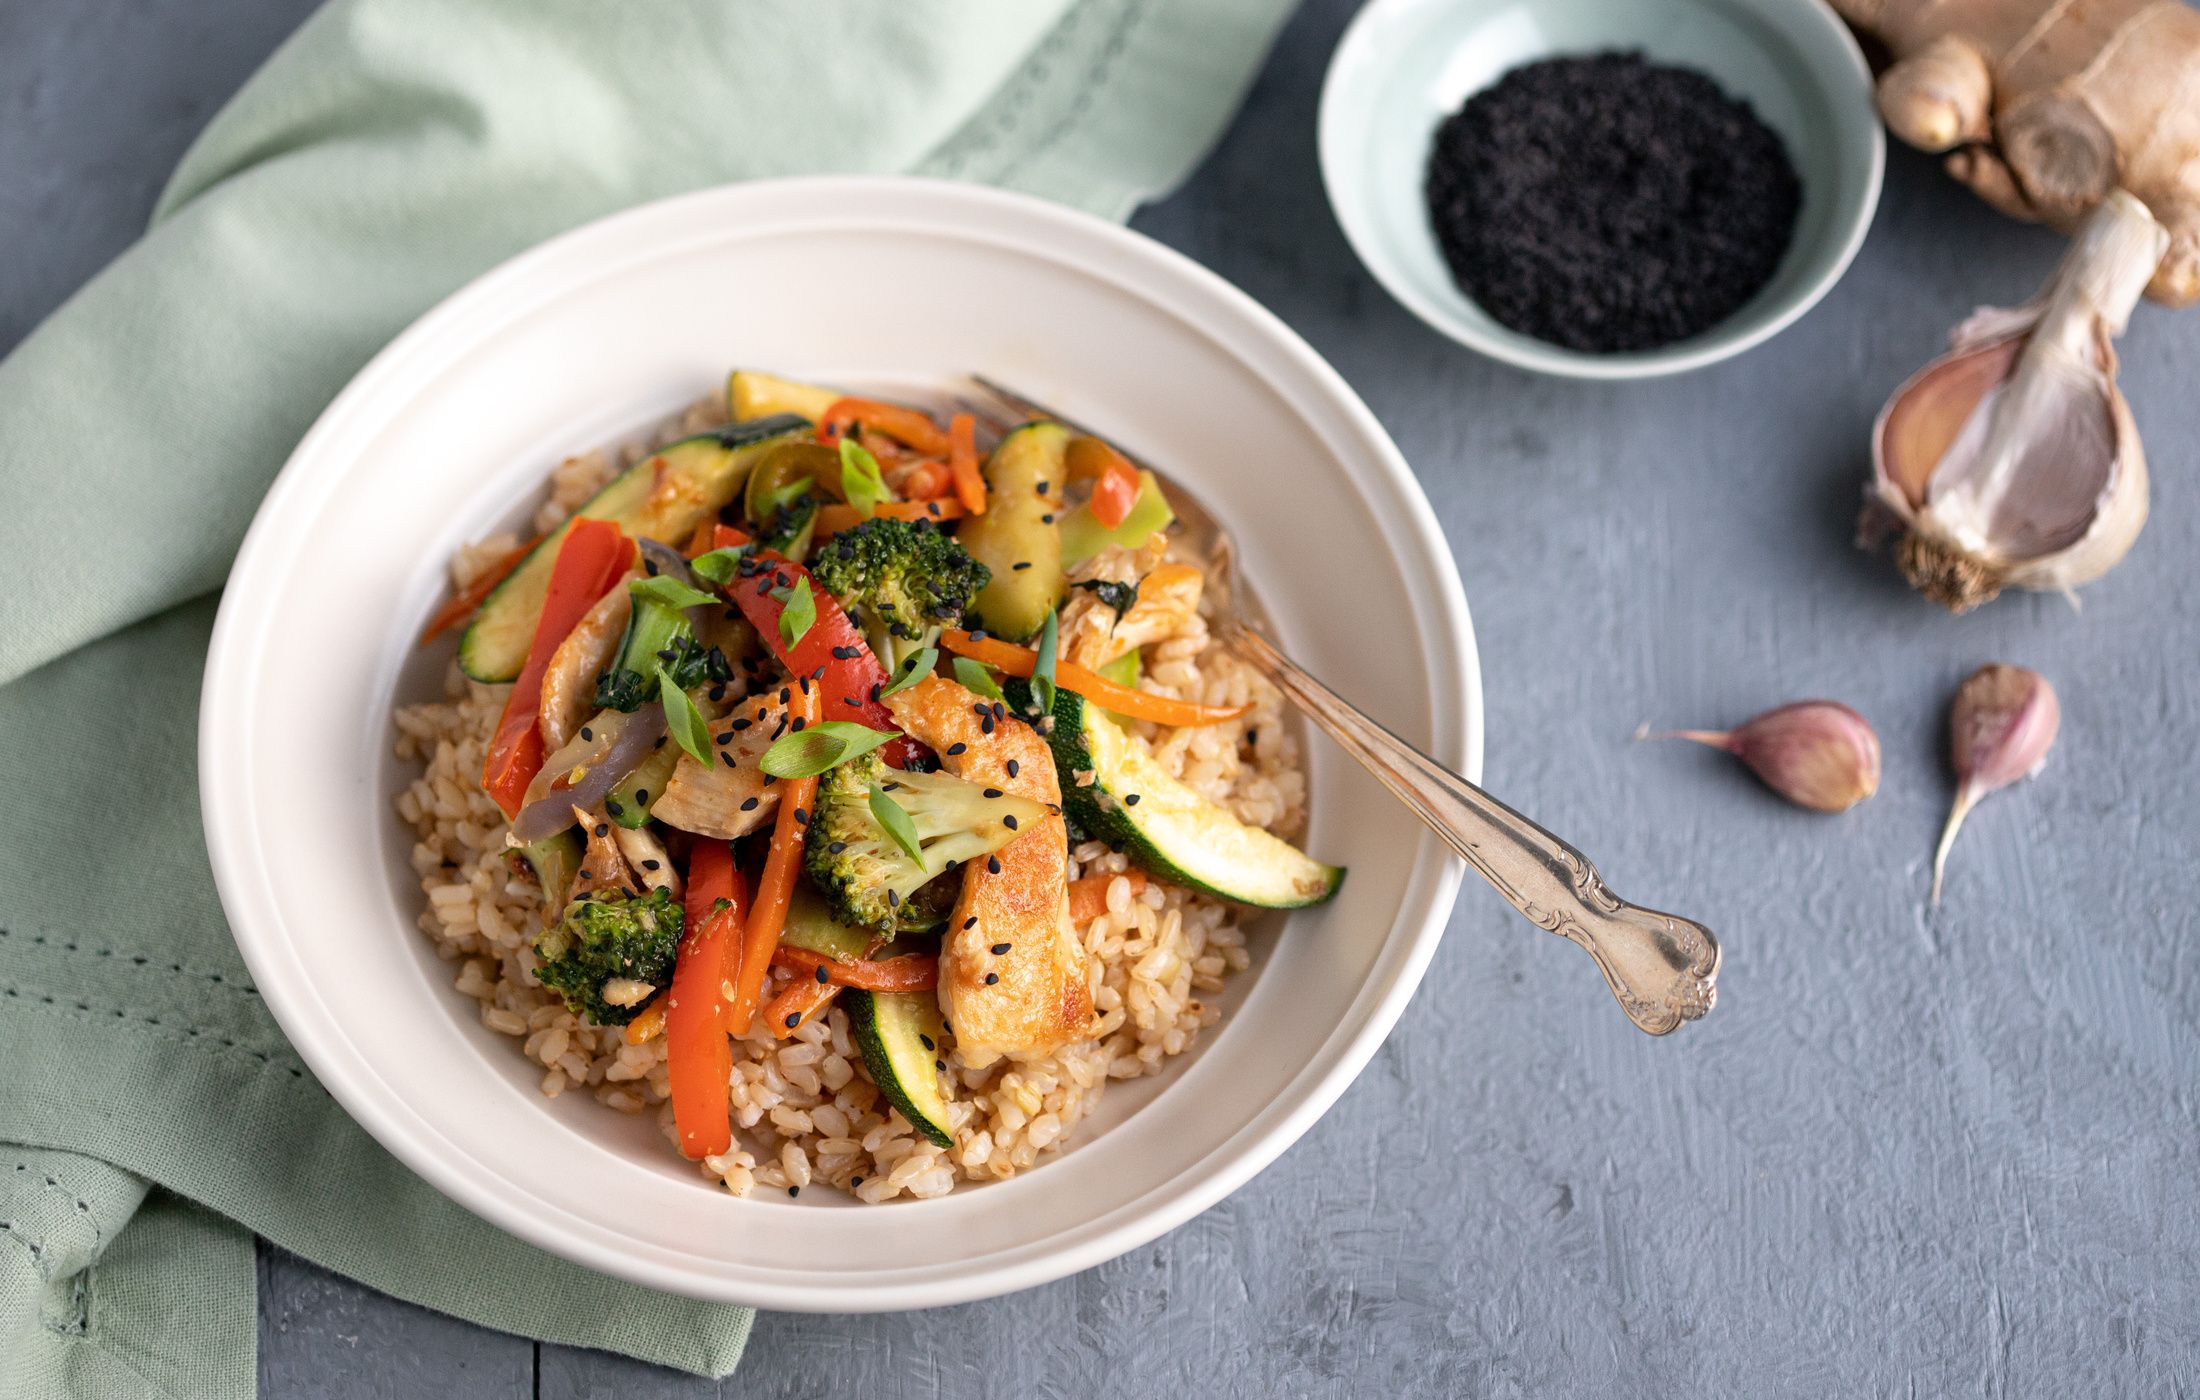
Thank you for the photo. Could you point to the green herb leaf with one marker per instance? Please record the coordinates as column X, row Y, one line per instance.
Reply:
column 914, row 667
column 976, row 676
column 809, row 751
column 1117, row 595
column 896, row 822
column 1042, row 670
column 798, row 611
column 720, row 565
column 684, row 720
column 670, row 592
column 860, row 479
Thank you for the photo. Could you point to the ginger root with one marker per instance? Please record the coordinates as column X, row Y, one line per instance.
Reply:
column 2044, row 106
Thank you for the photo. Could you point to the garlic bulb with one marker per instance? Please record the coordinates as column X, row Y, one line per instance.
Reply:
column 2013, row 459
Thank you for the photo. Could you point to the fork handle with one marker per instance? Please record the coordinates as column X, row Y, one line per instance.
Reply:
column 1663, row 969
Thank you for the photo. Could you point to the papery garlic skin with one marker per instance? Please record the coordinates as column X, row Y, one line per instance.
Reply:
column 2001, row 725
column 2014, row 460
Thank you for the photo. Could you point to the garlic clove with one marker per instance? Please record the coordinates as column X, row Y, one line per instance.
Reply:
column 1816, row 753
column 2013, row 461
column 2001, row 725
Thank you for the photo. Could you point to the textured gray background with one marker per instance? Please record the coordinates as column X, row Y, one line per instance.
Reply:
column 1913, row 1153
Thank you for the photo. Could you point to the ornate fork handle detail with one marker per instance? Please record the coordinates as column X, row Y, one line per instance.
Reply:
column 1663, row 969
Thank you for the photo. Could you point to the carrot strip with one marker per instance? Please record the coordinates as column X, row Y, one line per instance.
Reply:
column 912, row 972
column 1115, row 483
column 1088, row 894
column 904, row 425
column 647, row 1026
column 781, row 865
column 698, row 1056
column 1116, row 699
column 803, row 999
column 595, row 553
column 962, row 462
column 467, row 599
column 927, row 481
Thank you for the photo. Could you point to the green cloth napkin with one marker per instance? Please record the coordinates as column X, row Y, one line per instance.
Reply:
column 152, row 1117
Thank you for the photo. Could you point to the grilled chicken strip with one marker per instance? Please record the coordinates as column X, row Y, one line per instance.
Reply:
column 1016, row 902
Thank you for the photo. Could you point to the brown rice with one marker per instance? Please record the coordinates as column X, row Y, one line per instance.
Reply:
column 804, row 1110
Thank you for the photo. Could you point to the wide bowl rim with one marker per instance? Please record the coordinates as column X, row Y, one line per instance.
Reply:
column 501, row 294
column 1359, row 48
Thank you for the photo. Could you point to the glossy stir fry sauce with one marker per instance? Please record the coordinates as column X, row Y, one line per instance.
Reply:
column 802, row 709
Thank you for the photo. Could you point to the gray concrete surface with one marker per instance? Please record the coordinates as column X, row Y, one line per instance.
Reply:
column 1914, row 1153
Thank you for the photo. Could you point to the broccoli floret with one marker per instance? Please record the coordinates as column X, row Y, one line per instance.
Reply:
column 607, row 938
column 868, row 879
column 658, row 637
column 899, row 579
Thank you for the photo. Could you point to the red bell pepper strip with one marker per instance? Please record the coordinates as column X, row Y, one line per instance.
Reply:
column 470, row 597
column 595, row 553
column 849, row 680
column 698, row 1055
column 903, row 425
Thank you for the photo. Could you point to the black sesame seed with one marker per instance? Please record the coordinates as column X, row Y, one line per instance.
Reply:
column 801, row 817
column 822, row 976
column 613, row 808
column 1047, row 519
column 649, row 865
column 953, row 749
column 978, row 636
column 893, row 899
column 1009, row 821
column 793, row 1191
column 985, row 726
column 926, row 1041
column 641, row 795
column 587, row 735
column 851, row 700
column 749, row 805
column 1019, row 566
column 603, row 828
column 836, row 847
column 785, row 695
column 741, row 724
column 585, row 874
column 1000, row 948
column 1012, row 767
column 727, row 759
column 993, row 865
column 1041, row 488
column 1130, row 799
column 991, row 978
column 793, row 1019
column 854, row 1182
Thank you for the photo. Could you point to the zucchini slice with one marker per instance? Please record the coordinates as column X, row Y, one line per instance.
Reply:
column 753, row 394
column 812, row 927
column 699, row 475
column 1016, row 537
column 899, row 1035
column 639, row 790
column 1164, row 825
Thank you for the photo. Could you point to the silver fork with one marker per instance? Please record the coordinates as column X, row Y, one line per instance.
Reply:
column 1663, row 969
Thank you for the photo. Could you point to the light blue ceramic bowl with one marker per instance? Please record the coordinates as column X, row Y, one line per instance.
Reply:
column 1405, row 65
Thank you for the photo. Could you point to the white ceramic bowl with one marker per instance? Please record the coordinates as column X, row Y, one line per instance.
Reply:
column 589, row 338
column 1406, row 65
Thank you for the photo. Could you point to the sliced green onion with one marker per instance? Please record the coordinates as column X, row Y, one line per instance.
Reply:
column 860, row 479
column 720, row 565
column 670, row 592
column 683, row 720
column 895, row 820
column 975, row 675
column 914, row 667
column 798, row 611
column 811, row 750
column 1042, row 670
